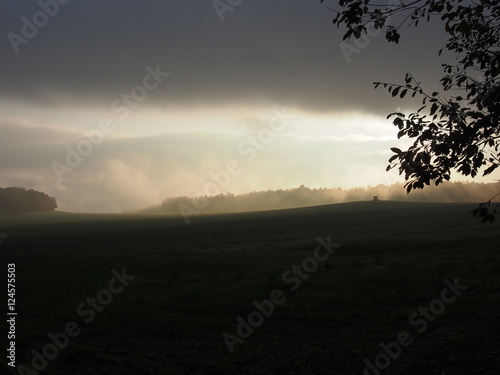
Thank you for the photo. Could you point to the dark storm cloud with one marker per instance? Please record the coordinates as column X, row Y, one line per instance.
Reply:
column 281, row 52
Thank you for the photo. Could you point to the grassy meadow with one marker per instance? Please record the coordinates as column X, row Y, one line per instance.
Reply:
column 193, row 281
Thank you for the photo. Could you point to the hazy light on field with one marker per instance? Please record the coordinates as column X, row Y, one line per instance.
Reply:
column 174, row 153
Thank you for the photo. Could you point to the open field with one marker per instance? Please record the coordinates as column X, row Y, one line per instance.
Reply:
column 193, row 281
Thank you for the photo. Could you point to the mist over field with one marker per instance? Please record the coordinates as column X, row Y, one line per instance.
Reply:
column 456, row 192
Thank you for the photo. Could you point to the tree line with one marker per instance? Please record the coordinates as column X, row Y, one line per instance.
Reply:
column 304, row 196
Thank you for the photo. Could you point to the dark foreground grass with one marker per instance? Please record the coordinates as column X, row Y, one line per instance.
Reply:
column 193, row 281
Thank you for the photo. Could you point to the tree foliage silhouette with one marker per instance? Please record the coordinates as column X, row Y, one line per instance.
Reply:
column 457, row 128
column 17, row 199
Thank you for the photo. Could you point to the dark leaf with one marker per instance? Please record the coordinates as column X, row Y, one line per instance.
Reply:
column 392, row 158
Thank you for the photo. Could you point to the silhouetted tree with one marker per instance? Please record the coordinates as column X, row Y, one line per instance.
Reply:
column 457, row 128
column 17, row 199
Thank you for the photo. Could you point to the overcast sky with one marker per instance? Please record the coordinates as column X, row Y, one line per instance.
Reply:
column 115, row 105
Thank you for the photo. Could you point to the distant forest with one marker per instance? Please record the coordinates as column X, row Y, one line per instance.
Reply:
column 17, row 199
column 302, row 196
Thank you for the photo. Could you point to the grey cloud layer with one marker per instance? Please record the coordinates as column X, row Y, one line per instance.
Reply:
column 280, row 52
